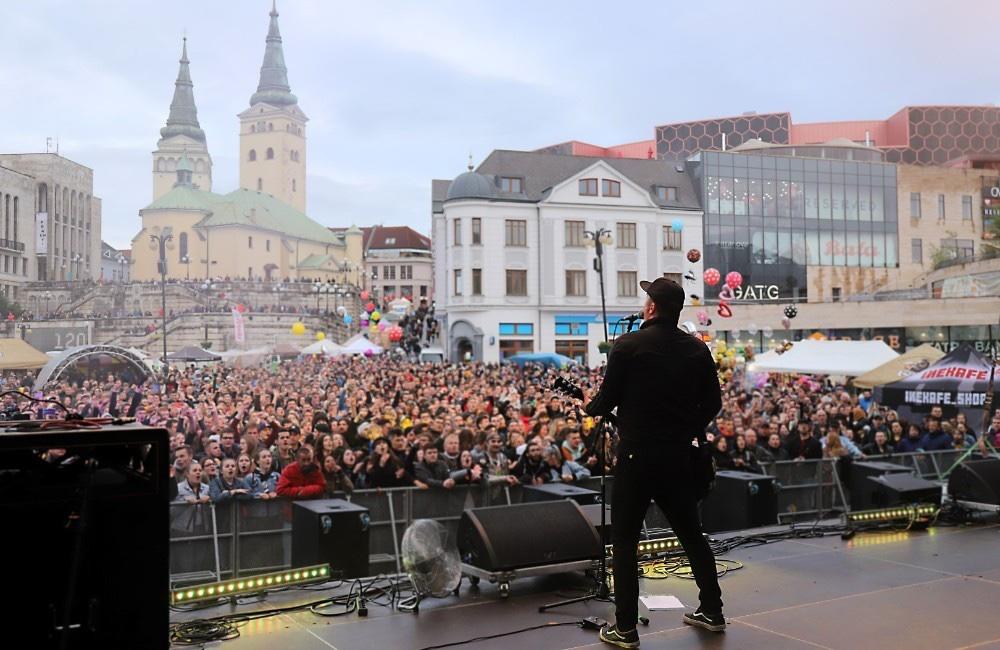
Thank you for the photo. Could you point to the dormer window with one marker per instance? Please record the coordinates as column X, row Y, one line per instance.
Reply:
column 510, row 185
column 610, row 188
column 588, row 187
column 389, row 241
column 665, row 193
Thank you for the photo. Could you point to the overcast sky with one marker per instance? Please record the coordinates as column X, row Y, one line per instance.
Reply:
column 399, row 93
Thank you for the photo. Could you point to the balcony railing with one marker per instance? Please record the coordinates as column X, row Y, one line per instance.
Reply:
column 11, row 245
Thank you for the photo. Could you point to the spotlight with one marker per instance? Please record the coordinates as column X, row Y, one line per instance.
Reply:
column 242, row 586
column 912, row 514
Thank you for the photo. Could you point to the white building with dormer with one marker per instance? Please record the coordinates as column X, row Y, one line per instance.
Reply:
column 513, row 269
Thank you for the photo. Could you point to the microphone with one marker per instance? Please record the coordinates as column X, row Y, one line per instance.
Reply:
column 631, row 318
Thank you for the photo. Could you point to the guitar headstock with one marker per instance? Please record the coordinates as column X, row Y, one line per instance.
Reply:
column 566, row 387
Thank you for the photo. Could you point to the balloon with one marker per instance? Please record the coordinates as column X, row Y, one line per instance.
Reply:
column 395, row 333
column 376, row 315
column 786, row 322
column 712, row 276
column 694, row 255
column 791, row 311
column 347, row 319
column 241, row 308
column 320, row 336
column 364, row 322
column 364, row 295
column 724, row 310
column 382, row 326
column 341, row 310
column 298, row 329
column 734, row 279
column 726, row 294
column 703, row 318
column 752, row 329
column 370, row 307
column 677, row 225
column 368, row 353
column 767, row 331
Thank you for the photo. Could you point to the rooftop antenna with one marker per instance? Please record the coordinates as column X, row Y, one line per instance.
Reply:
column 470, row 161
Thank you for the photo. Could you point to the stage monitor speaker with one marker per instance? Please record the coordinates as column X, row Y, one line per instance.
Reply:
column 333, row 531
column 899, row 489
column 553, row 491
column 738, row 501
column 862, row 492
column 503, row 538
column 976, row 481
column 86, row 538
column 593, row 512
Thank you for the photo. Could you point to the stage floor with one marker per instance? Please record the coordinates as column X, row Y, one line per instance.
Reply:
column 929, row 590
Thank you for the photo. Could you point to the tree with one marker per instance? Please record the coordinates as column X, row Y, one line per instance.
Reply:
column 989, row 247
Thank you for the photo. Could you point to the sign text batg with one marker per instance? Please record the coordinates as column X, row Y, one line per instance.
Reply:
column 757, row 292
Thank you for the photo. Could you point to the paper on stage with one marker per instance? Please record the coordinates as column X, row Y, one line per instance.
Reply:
column 655, row 603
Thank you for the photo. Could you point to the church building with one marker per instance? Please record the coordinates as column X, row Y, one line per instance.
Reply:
column 259, row 231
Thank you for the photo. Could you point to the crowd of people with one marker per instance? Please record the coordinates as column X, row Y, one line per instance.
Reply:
column 315, row 427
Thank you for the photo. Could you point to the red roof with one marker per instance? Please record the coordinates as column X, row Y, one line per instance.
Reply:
column 391, row 237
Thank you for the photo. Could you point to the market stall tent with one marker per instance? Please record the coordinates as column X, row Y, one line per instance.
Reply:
column 958, row 380
column 842, row 358
column 17, row 354
column 906, row 364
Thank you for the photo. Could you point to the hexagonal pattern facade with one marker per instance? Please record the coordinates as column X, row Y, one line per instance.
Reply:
column 938, row 134
column 682, row 140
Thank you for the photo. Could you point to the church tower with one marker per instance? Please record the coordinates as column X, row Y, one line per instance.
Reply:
column 182, row 135
column 273, row 131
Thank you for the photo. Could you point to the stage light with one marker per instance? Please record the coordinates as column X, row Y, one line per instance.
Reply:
column 654, row 546
column 917, row 513
column 237, row 587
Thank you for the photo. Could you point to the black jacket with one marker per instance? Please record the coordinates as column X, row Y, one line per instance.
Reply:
column 808, row 448
column 664, row 383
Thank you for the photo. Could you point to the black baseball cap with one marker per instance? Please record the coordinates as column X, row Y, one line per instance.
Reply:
column 667, row 294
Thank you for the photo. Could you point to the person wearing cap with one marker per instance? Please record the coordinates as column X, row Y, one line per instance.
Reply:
column 664, row 383
column 804, row 445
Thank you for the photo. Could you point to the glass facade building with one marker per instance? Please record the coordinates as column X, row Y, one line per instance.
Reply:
column 771, row 215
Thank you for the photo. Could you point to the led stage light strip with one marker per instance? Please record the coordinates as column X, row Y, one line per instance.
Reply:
column 249, row 585
column 908, row 512
column 654, row 546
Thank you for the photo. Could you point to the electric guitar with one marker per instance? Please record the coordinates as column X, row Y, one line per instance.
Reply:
column 568, row 388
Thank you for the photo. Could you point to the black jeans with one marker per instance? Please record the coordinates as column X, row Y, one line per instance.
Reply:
column 663, row 475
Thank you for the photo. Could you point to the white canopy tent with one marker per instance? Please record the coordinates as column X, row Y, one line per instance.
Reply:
column 844, row 358
column 326, row 346
column 359, row 345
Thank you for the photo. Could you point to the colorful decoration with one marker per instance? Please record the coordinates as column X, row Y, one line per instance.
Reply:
column 376, row 315
column 369, row 353
column 752, row 329
column 734, row 280
column 341, row 310
column 724, row 310
column 382, row 326
column 786, row 322
column 370, row 307
column 712, row 276
column 348, row 319
column 695, row 300
column 703, row 318
column 395, row 333
column 727, row 294
column 320, row 336
column 299, row 328
column 364, row 295
column 767, row 331
column 677, row 225
column 241, row 308
column 791, row 311
column 694, row 255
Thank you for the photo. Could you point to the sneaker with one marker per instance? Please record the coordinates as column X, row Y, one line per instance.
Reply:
column 710, row 622
column 610, row 634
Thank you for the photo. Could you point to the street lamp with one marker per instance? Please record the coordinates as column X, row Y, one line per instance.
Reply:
column 48, row 295
column 186, row 261
column 162, row 239
column 598, row 239
column 75, row 259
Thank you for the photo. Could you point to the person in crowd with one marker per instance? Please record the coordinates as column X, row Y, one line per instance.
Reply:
column 561, row 469
column 720, row 454
column 384, row 469
column 191, row 489
column 337, row 480
column 264, row 480
column 227, row 486
column 432, row 472
column 833, row 446
column 452, row 449
column 302, row 479
column 531, row 469
column 227, row 445
column 469, row 472
column 209, row 469
column 803, row 445
column 182, row 461
column 936, row 438
column 775, row 449
column 245, row 467
column 913, row 440
column 282, row 450
column 879, row 446
column 497, row 464
column 743, row 458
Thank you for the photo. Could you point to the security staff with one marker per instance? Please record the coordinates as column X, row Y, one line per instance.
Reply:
column 664, row 383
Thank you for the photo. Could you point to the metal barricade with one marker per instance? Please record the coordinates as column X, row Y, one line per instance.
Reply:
column 806, row 488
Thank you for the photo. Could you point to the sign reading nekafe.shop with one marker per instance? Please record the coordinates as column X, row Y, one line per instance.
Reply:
column 949, row 398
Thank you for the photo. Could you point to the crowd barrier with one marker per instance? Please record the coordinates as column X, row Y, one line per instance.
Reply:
column 220, row 541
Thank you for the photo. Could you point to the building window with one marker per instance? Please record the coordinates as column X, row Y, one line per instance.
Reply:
column 516, row 329
column 510, row 185
column 966, row 207
column 182, row 246
column 458, row 282
column 477, row 282
column 914, row 205
column 456, row 239
column 514, row 346
column 576, row 283
column 249, row 273
column 672, row 239
column 675, row 277
column 270, row 154
column 406, row 291
column 665, row 193
column 588, row 187
column 627, row 283
column 406, row 272
column 572, row 329
column 267, row 245
column 835, row 291
column 294, row 188
column 517, row 282
column 917, row 251
column 374, row 273
column 390, row 241
column 574, row 233
column 959, row 248
column 253, row 155
column 576, row 350
column 423, row 291
column 516, row 232
column 626, row 235
column 249, row 242
column 477, row 231
column 940, row 207
column 260, row 184
column 611, row 188
column 389, row 273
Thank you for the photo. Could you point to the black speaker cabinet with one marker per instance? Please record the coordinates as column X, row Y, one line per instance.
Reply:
column 553, row 491
column 899, row 489
column 333, row 531
column 503, row 538
column 863, row 493
column 593, row 512
column 977, row 481
column 739, row 500
column 86, row 538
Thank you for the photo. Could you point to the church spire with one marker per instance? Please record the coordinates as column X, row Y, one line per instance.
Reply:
column 183, row 119
column 273, row 87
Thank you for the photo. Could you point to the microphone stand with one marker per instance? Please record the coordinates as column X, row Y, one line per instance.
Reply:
column 600, row 591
